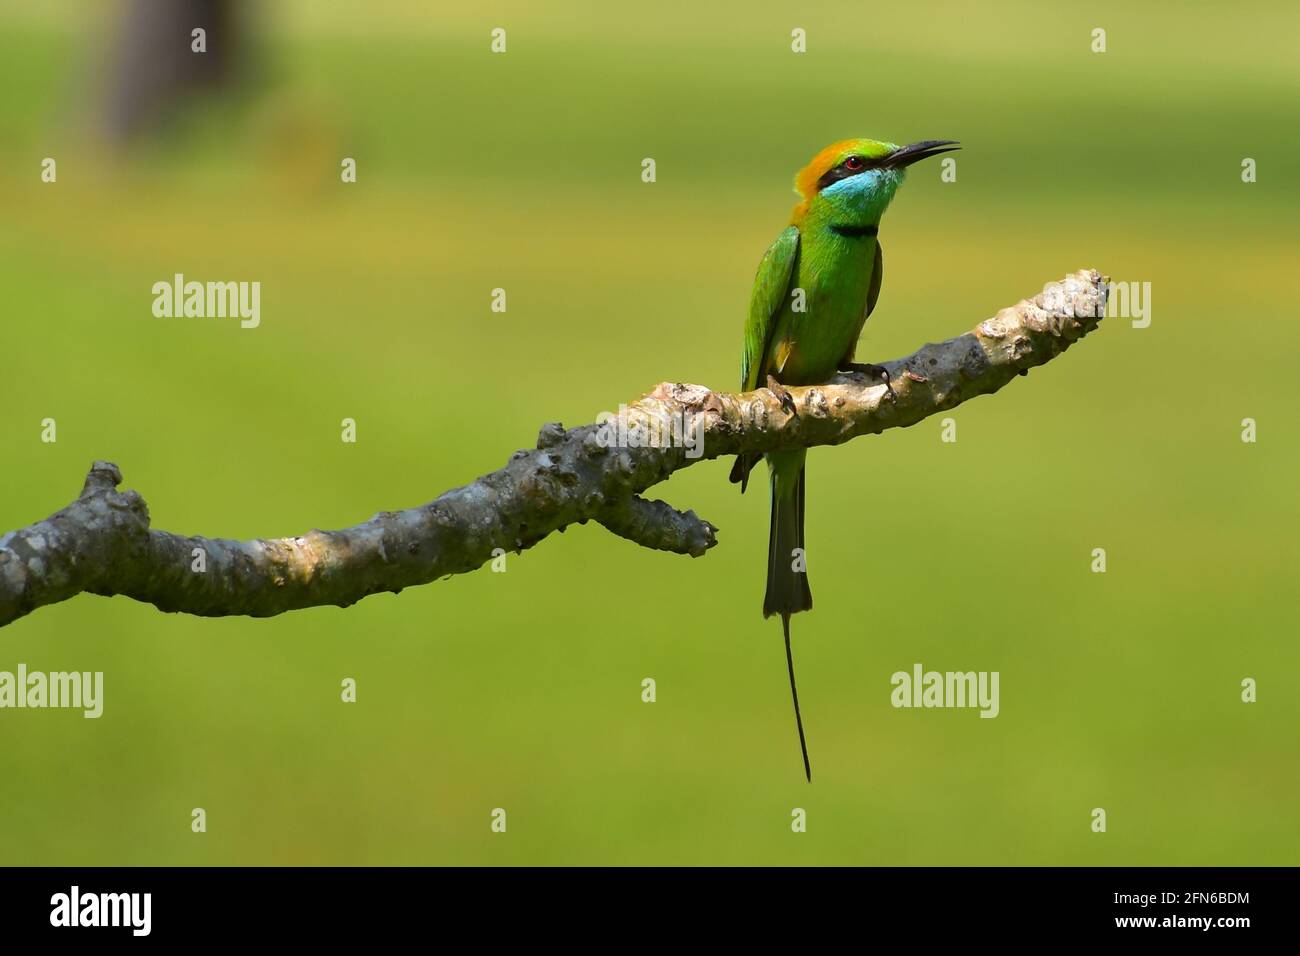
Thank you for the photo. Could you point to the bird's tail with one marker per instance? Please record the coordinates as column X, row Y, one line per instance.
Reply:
column 794, row 694
column 787, row 578
column 745, row 463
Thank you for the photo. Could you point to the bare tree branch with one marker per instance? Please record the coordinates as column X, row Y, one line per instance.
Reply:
column 102, row 542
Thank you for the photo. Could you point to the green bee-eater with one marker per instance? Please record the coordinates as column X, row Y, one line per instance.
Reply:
column 814, row 290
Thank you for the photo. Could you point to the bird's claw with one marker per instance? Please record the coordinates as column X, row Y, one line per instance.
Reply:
column 872, row 372
column 782, row 395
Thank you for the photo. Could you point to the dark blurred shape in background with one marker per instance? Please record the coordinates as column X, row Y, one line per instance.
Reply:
column 155, row 69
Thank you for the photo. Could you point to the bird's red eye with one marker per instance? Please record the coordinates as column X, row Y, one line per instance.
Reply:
column 854, row 162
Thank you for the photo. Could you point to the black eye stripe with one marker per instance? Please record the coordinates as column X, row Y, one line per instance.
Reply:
column 843, row 172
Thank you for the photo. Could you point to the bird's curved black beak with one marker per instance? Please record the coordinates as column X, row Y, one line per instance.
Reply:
column 907, row 155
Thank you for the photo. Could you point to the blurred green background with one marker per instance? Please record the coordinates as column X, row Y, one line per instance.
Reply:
column 522, row 690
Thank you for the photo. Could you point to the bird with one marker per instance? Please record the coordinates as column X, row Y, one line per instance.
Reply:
column 815, row 287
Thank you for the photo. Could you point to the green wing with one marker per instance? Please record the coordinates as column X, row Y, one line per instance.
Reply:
column 771, row 286
column 877, row 275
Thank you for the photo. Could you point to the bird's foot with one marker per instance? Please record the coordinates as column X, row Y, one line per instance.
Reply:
column 871, row 372
column 782, row 395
